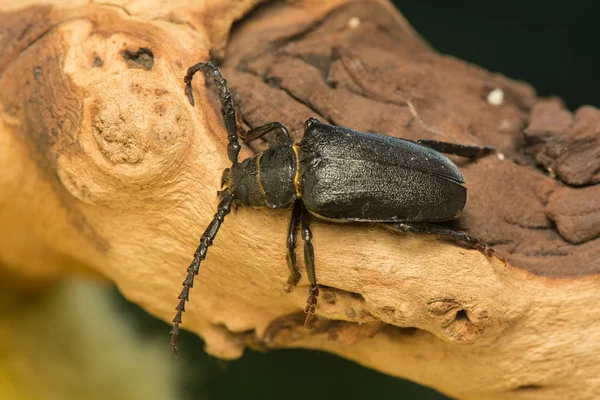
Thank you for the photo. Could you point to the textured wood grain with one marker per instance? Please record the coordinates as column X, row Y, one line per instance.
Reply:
column 105, row 169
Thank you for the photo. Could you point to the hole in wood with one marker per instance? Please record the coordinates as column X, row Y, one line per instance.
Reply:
column 143, row 58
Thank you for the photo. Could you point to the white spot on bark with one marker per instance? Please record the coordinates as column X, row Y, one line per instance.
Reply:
column 496, row 97
column 354, row 22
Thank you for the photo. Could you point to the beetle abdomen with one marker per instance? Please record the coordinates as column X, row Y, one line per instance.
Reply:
column 349, row 175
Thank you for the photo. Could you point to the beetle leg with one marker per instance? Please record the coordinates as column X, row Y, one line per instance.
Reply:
column 206, row 240
column 457, row 149
column 282, row 135
column 425, row 229
column 309, row 261
column 291, row 247
column 227, row 110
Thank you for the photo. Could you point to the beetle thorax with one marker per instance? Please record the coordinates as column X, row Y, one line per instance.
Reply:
column 265, row 180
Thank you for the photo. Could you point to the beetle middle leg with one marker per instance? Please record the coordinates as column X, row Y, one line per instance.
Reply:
column 309, row 261
column 457, row 149
column 291, row 247
column 426, row 229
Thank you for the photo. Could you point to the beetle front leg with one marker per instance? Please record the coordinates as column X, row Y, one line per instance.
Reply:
column 291, row 247
column 309, row 261
column 282, row 135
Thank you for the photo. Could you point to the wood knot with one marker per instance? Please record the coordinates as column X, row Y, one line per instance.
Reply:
column 127, row 130
column 139, row 128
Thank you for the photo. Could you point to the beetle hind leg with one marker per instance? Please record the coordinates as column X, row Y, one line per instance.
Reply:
column 457, row 149
column 426, row 229
column 309, row 261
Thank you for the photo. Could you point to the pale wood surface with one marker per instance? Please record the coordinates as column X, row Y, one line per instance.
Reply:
column 106, row 170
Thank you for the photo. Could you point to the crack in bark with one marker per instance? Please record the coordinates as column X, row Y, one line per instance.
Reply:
column 118, row 6
column 277, row 85
column 528, row 227
column 281, row 42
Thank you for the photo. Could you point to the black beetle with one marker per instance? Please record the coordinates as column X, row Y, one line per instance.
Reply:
column 337, row 174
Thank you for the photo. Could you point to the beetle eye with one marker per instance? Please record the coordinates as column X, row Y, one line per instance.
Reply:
column 309, row 122
column 226, row 177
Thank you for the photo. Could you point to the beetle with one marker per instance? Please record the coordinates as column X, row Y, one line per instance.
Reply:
column 337, row 174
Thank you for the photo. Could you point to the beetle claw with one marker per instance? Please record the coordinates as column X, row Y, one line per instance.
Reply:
column 288, row 287
column 310, row 311
column 308, row 319
column 489, row 252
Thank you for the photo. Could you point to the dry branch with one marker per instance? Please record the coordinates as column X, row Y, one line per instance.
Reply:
column 107, row 170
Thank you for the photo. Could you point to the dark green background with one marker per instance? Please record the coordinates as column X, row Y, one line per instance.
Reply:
column 553, row 47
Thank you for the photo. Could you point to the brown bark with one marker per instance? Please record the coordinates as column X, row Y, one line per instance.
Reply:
column 107, row 170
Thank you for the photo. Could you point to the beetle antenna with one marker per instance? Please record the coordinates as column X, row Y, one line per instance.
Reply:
column 206, row 240
column 227, row 110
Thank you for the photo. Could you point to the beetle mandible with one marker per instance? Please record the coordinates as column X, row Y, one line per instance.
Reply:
column 337, row 174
